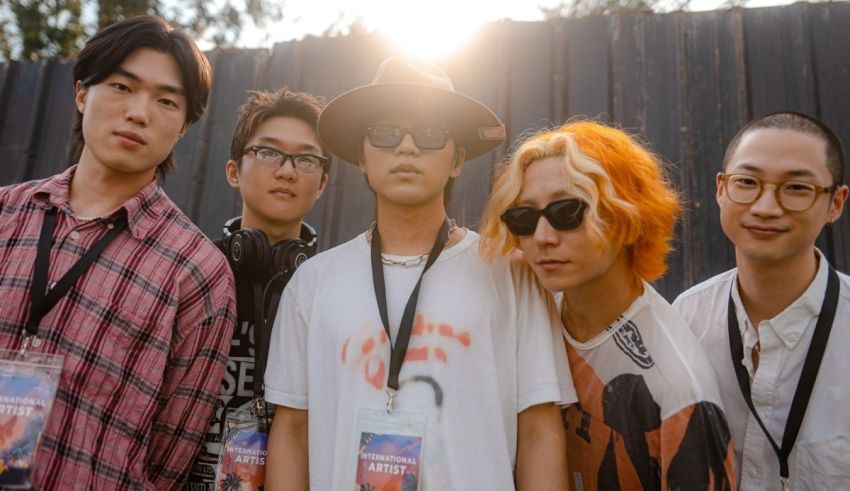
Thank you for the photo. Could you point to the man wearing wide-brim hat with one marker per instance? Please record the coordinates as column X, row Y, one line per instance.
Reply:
column 420, row 366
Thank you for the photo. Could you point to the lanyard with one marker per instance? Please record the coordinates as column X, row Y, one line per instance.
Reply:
column 807, row 377
column 399, row 349
column 266, row 302
column 43, row 300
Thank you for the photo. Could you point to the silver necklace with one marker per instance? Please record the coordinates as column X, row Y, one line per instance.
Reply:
column 413, row 261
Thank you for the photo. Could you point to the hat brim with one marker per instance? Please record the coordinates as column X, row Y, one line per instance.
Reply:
column 343, row 122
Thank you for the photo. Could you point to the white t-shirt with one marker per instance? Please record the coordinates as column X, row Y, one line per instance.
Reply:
column 820, row 459
column 649, row 414
column 486, row 345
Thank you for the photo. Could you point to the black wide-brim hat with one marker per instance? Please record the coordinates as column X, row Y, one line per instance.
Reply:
column 406, row 82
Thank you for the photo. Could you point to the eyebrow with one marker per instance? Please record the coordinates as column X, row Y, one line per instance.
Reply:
column 791, row 173
column 164, row 87
column 279, row 143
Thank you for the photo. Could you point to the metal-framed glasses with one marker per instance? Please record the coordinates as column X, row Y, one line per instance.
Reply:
column 565, row 214
column 272, row 158
column 426, row 137
column 791, row 195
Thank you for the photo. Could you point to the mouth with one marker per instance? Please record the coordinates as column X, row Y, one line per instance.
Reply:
column 551, row 264
column 405, row 169
column 130, row 138
column 282, row 193
column 764, row 231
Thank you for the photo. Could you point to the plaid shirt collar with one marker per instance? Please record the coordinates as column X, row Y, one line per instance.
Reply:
column 142, row 209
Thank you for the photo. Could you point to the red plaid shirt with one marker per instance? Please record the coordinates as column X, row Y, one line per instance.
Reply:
column 145, row 334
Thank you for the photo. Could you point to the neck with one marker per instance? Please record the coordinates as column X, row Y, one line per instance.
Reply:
column 409, row 230
column 768, row 289
column 97, row 190
column 275, row 231
column 589, row 308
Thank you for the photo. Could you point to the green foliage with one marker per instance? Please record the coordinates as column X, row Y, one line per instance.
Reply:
column 41, row 28
column 585, row 8
column 32, row 29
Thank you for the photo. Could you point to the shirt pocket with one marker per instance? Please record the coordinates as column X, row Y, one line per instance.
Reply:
column 823, row 465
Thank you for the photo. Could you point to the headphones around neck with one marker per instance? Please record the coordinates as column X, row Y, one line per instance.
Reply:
column 248, row 249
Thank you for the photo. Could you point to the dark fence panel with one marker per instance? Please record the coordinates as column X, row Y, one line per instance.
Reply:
column 685, row 82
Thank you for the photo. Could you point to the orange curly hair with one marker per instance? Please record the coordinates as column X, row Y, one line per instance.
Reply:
column 632, row 204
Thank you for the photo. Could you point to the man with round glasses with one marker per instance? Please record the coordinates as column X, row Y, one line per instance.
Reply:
column 775, row 327
column 279, row 167
column 420, row 366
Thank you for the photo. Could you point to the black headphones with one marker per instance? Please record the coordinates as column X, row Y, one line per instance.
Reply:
column 248, row 249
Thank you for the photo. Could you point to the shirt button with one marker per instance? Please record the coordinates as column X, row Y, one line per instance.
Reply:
column 75, row 235
column 36, row 342
column 110, row 226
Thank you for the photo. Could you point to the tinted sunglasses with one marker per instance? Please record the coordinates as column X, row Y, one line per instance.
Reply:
column 426, row 137
column 565, row 214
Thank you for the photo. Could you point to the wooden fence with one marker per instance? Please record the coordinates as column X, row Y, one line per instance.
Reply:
column 685, row 81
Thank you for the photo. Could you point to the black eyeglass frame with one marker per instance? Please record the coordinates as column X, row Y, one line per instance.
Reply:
column 323, row 161
column 447, row 135
column 724, row 177
column 571, row 221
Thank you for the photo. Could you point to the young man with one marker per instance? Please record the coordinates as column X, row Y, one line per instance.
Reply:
column 419, row 366
column 143, row 328
column 766, row 323
column 280, row 169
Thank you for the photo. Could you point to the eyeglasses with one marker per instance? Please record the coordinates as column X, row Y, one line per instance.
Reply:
column 791, row 195
column 271, row 158
column 426, row 137
column 565, row 214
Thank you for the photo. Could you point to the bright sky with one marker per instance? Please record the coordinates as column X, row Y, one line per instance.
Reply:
column 429, row 28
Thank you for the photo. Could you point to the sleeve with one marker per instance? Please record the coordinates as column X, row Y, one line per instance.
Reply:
column 543, row 373
column 286, row 370
column 696, row 449
column 192, row 379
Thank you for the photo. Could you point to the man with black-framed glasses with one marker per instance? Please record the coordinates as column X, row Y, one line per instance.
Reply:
column 776, row 326
column 401, row 360
column 280, row 168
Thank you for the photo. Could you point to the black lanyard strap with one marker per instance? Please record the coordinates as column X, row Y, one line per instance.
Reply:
column 399, row 348
column 43, row 300
column 807, row 377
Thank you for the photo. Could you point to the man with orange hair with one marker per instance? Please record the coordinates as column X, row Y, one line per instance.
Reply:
column 593, row 215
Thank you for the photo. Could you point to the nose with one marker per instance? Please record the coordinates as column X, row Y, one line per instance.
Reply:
column 545, row 233
column 767, row 203
column 286, row 169
column 407, row 145
column 138, row 109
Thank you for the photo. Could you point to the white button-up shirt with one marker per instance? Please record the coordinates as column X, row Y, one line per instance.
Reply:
column 820, row 459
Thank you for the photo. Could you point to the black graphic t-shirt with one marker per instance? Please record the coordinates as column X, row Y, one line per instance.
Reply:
column 237, row 387
column 649, row 414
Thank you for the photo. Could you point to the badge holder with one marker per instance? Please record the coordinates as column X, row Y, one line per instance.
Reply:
column 28, row 384
column 389, row 452
column 244, row 442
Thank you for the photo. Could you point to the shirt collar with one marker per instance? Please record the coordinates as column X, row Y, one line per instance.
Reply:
column 142, row 209
column 791, row 323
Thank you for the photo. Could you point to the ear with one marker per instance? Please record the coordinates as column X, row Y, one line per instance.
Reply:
column 322, row 185
column 80, row 93
column 185, row 128
column 718, row 181
column 836, row 204
column 460, row 159
column 231, row 170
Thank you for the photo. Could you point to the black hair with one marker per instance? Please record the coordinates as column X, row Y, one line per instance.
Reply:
column 790, row 120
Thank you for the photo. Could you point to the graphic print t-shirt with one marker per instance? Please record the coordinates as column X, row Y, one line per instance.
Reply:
column 237, row 387
column 649, row 414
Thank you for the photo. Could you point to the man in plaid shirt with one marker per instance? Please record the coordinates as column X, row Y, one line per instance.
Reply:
column 144, row 331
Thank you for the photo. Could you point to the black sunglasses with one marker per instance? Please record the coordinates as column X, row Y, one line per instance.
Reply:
column 564, row 214
column 426, row 137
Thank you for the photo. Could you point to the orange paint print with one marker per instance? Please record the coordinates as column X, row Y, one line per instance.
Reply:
column 368, row 349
